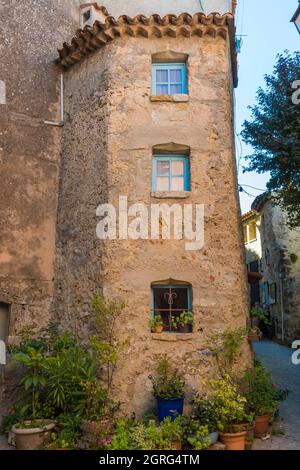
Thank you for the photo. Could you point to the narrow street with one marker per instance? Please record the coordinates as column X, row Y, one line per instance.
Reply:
column 277, row 359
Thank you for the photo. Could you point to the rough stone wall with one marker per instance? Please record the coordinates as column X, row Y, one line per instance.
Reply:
column 106, row 152
column 282, row 243
column 30, row 33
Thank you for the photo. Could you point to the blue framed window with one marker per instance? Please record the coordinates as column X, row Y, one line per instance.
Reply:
column 168, row 302
column 169, row 79
column 170, row 173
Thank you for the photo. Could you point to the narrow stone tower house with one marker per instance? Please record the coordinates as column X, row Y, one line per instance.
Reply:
column 148, row 117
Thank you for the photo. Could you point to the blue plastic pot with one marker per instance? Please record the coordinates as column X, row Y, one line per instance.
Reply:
column 171, row 407
column 213, row 436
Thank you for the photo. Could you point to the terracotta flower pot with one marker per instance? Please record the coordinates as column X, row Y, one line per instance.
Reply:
column 158, row 329
column 176, row 445
column 32, row 438
column 235, row 441
column 261, row 426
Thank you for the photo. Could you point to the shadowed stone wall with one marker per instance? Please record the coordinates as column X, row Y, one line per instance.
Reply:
column 31, row 31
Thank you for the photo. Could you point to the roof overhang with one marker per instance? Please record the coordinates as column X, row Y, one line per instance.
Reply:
column 88, row 40
column 296, row 14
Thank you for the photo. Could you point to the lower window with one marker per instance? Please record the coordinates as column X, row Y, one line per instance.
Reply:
column 171, row 306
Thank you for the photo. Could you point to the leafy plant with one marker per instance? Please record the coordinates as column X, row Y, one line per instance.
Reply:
column 206, row 412
column 136, row 435
column 230, row 406
column 172, row 430
column 59, row 377
column 67, row 432
column 34, row 380
column 260, row 391
column 167, row 383
column 156, row 322
column 261, row 314
column 196, row 434
column 106, row 347
column 183, row 319
column 226, row 347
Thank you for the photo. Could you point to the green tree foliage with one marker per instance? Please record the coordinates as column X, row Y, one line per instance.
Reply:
column 274, row 133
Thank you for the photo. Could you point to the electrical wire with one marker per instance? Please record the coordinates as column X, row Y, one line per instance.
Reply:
column 200, row 4
column 242, row 190
column 252, row 187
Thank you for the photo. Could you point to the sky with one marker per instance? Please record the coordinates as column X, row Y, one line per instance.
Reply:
column 268, row 31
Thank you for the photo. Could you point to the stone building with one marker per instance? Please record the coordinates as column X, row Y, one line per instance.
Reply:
column 128, row 129
column 274, row 250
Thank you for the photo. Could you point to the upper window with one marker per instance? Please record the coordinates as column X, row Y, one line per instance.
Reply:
column 171, row 173
column 169, row 79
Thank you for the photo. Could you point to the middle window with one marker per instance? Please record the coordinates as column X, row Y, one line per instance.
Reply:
column 170, row 173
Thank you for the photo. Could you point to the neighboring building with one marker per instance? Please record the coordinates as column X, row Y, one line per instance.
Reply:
column 148, row 114
column 296, row 18
column 252, row 239
column 276, row 249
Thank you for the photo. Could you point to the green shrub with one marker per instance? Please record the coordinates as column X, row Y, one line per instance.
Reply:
column 260, row 391
column 167, row 383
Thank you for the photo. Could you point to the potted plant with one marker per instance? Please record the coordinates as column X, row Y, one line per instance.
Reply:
column 157, row 324
column 196, row 434
column 31, row 433
column 205, row 411
column 172, row 432
column 183, row 322
column 259, row 316
column 261, row 396
column 168, row 389
column 231, row 408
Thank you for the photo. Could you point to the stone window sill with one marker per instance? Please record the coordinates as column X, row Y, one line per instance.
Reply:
column 171, row 194
column 172, row 337
column 170, row 98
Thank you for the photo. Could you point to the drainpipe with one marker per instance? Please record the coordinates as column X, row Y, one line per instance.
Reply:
column 61, row 122
column 281, row 307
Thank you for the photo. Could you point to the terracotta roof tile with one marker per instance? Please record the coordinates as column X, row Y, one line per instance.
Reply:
column 92, row 38
column 96, row 6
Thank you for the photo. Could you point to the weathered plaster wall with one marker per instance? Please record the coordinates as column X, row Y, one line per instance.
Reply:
column 30, row 33
column 282, row 243
column 163, row 7
column 107, row 152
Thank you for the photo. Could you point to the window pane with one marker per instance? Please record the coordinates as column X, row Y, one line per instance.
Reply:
column 162, row 89
column 176, row 89
column 178, row 184
column 161, row 76
column 176, row 76
column 177, row 167
column 162, row 183
column 163, row 168
column 180, row 299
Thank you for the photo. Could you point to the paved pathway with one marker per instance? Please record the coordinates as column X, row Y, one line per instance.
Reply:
column 277, row 359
